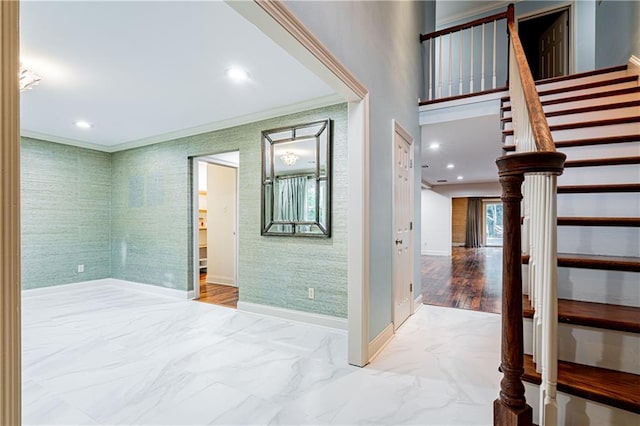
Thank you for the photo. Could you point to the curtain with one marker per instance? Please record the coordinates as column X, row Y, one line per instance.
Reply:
column 292, row 199
column 473, row 234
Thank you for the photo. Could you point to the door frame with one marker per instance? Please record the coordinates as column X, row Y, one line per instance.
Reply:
column 569, row 7
column 195, row 225
column 398, row 129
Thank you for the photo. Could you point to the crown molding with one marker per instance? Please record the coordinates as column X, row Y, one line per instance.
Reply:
column 191, row 131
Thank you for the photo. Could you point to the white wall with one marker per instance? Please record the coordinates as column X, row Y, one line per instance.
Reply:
column 436, row 224
column 617, row 32
column 378, row 43
column 221, row 224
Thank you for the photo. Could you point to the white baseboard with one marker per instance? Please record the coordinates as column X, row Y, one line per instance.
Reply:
column 219, row 279
column 435, row 253
column 150, row 288
column 293, row 315
column 127, row 285
column 57, row 288
column 417, row 303
column 380, row 341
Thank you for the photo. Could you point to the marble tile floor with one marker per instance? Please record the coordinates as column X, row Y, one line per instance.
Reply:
column 112, row 356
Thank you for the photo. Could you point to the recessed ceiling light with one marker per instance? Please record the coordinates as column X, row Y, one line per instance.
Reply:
column 450, row 166
column 460, row 177
column 237, row 74
column 434, row 146
column 83, row 124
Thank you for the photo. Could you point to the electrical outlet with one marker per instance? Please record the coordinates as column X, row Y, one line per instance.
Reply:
column 80, row 268
column 312, row 293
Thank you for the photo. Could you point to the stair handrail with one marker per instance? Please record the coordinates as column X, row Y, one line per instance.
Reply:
column 435, row 39
column 536, row 164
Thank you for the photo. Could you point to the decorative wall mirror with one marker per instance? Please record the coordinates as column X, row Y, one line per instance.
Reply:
column 296, row 180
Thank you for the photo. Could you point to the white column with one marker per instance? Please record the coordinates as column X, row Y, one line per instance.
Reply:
column 10, row 367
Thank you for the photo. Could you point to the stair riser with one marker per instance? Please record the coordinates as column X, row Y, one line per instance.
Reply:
column 581, row 80
column 605, row 100
column 598, row 240
column 596, row 347
column 624, row 173
column 587, row 116
column 590, row 132
column 595, row 285
column 626, row 149
column 573, row 410
column 599, row 205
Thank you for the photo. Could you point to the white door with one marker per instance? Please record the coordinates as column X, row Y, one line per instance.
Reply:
column 402, row 225
column 554, row 48
column 221, row 224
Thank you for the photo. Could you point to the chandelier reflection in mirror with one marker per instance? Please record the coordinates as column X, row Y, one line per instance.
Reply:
column 289, row 158
column 28, row 79
column 296, row 180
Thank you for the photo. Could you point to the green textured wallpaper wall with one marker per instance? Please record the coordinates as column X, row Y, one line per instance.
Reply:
column 65, row 214
column 151, row 225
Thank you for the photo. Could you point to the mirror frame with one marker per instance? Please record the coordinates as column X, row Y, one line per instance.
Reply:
column 269, row 180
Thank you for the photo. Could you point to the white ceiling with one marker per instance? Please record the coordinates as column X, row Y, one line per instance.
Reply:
column 471, row 145
column 143, row 72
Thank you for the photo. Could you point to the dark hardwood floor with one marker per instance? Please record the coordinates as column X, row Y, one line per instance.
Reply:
column 470, row 279
column 218, row 294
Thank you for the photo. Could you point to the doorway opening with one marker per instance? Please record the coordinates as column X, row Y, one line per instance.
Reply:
column 215, row 241
column 492, row 218
column 545, row 40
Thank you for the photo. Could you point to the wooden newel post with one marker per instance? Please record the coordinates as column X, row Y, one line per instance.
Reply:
column 511, row 407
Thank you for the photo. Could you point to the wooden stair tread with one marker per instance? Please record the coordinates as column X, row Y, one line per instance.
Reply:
column 610, row 387
column 592, row 261
column 581, row 189
column 591, row 108
column 599, row 221
column 587, row 142
column 591, row 85
column 583, row 124
column 591, row 314
column 599, row 71
column 592, row 162
column 604, row 94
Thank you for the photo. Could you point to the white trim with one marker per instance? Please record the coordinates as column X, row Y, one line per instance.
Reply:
column 381, row 341
column 418, row 303
column 113, row 282
column 358, row 232
column 293, row 315
column 435, row 253
column 218, row 279
column 195, row 226
column 150, row 288
column 633, row 66
column 191, row 131
column 40, row 291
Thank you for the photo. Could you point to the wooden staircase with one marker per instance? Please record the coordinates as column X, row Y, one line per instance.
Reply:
column 595, row 120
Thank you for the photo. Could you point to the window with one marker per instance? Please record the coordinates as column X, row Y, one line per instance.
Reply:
column 493, row 223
